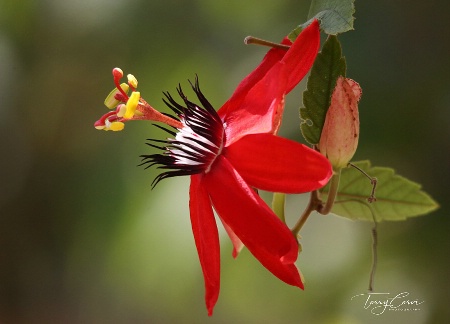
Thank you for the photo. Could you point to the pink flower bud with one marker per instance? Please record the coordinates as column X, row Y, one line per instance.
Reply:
column 340, row 133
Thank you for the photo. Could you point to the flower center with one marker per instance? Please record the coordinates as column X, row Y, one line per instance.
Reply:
column 197, row 143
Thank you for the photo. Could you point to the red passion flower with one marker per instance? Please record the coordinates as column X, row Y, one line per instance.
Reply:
column 230, row 152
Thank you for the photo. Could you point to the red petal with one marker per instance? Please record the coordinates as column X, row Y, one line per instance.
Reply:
column 272, row 57
column 237, row 243
column 256, row 114
column 273, row 163
column 206, row 239
column 302, row 54
column 267, row 238
column 258, row 102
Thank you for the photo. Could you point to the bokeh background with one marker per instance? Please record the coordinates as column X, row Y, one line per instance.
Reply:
column 84, row 239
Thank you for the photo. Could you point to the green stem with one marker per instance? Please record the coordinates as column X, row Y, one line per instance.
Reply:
column 278, row 203
column 313, row 204
column 374, row 257
column 332, row 193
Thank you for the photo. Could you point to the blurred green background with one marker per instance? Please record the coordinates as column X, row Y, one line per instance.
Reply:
column 84, row 239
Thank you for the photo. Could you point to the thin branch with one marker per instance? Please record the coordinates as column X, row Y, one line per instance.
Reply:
column 313, row 204
column 258, row 41
column 374, row 232
column 373, row 182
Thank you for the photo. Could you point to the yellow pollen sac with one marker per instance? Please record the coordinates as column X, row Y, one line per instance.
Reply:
column 132, row 81
column 132, row 104
column 112, row 102
column 116, row 126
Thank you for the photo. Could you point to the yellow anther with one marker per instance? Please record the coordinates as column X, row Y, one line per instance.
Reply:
column 112, row 102
column 116, row 126
column 132, row 104
column 100, row 127
column 132, row 81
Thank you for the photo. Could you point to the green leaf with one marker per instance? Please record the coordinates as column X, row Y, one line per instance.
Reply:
column 397, row 197
column 328, row 66
column 336, row 17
